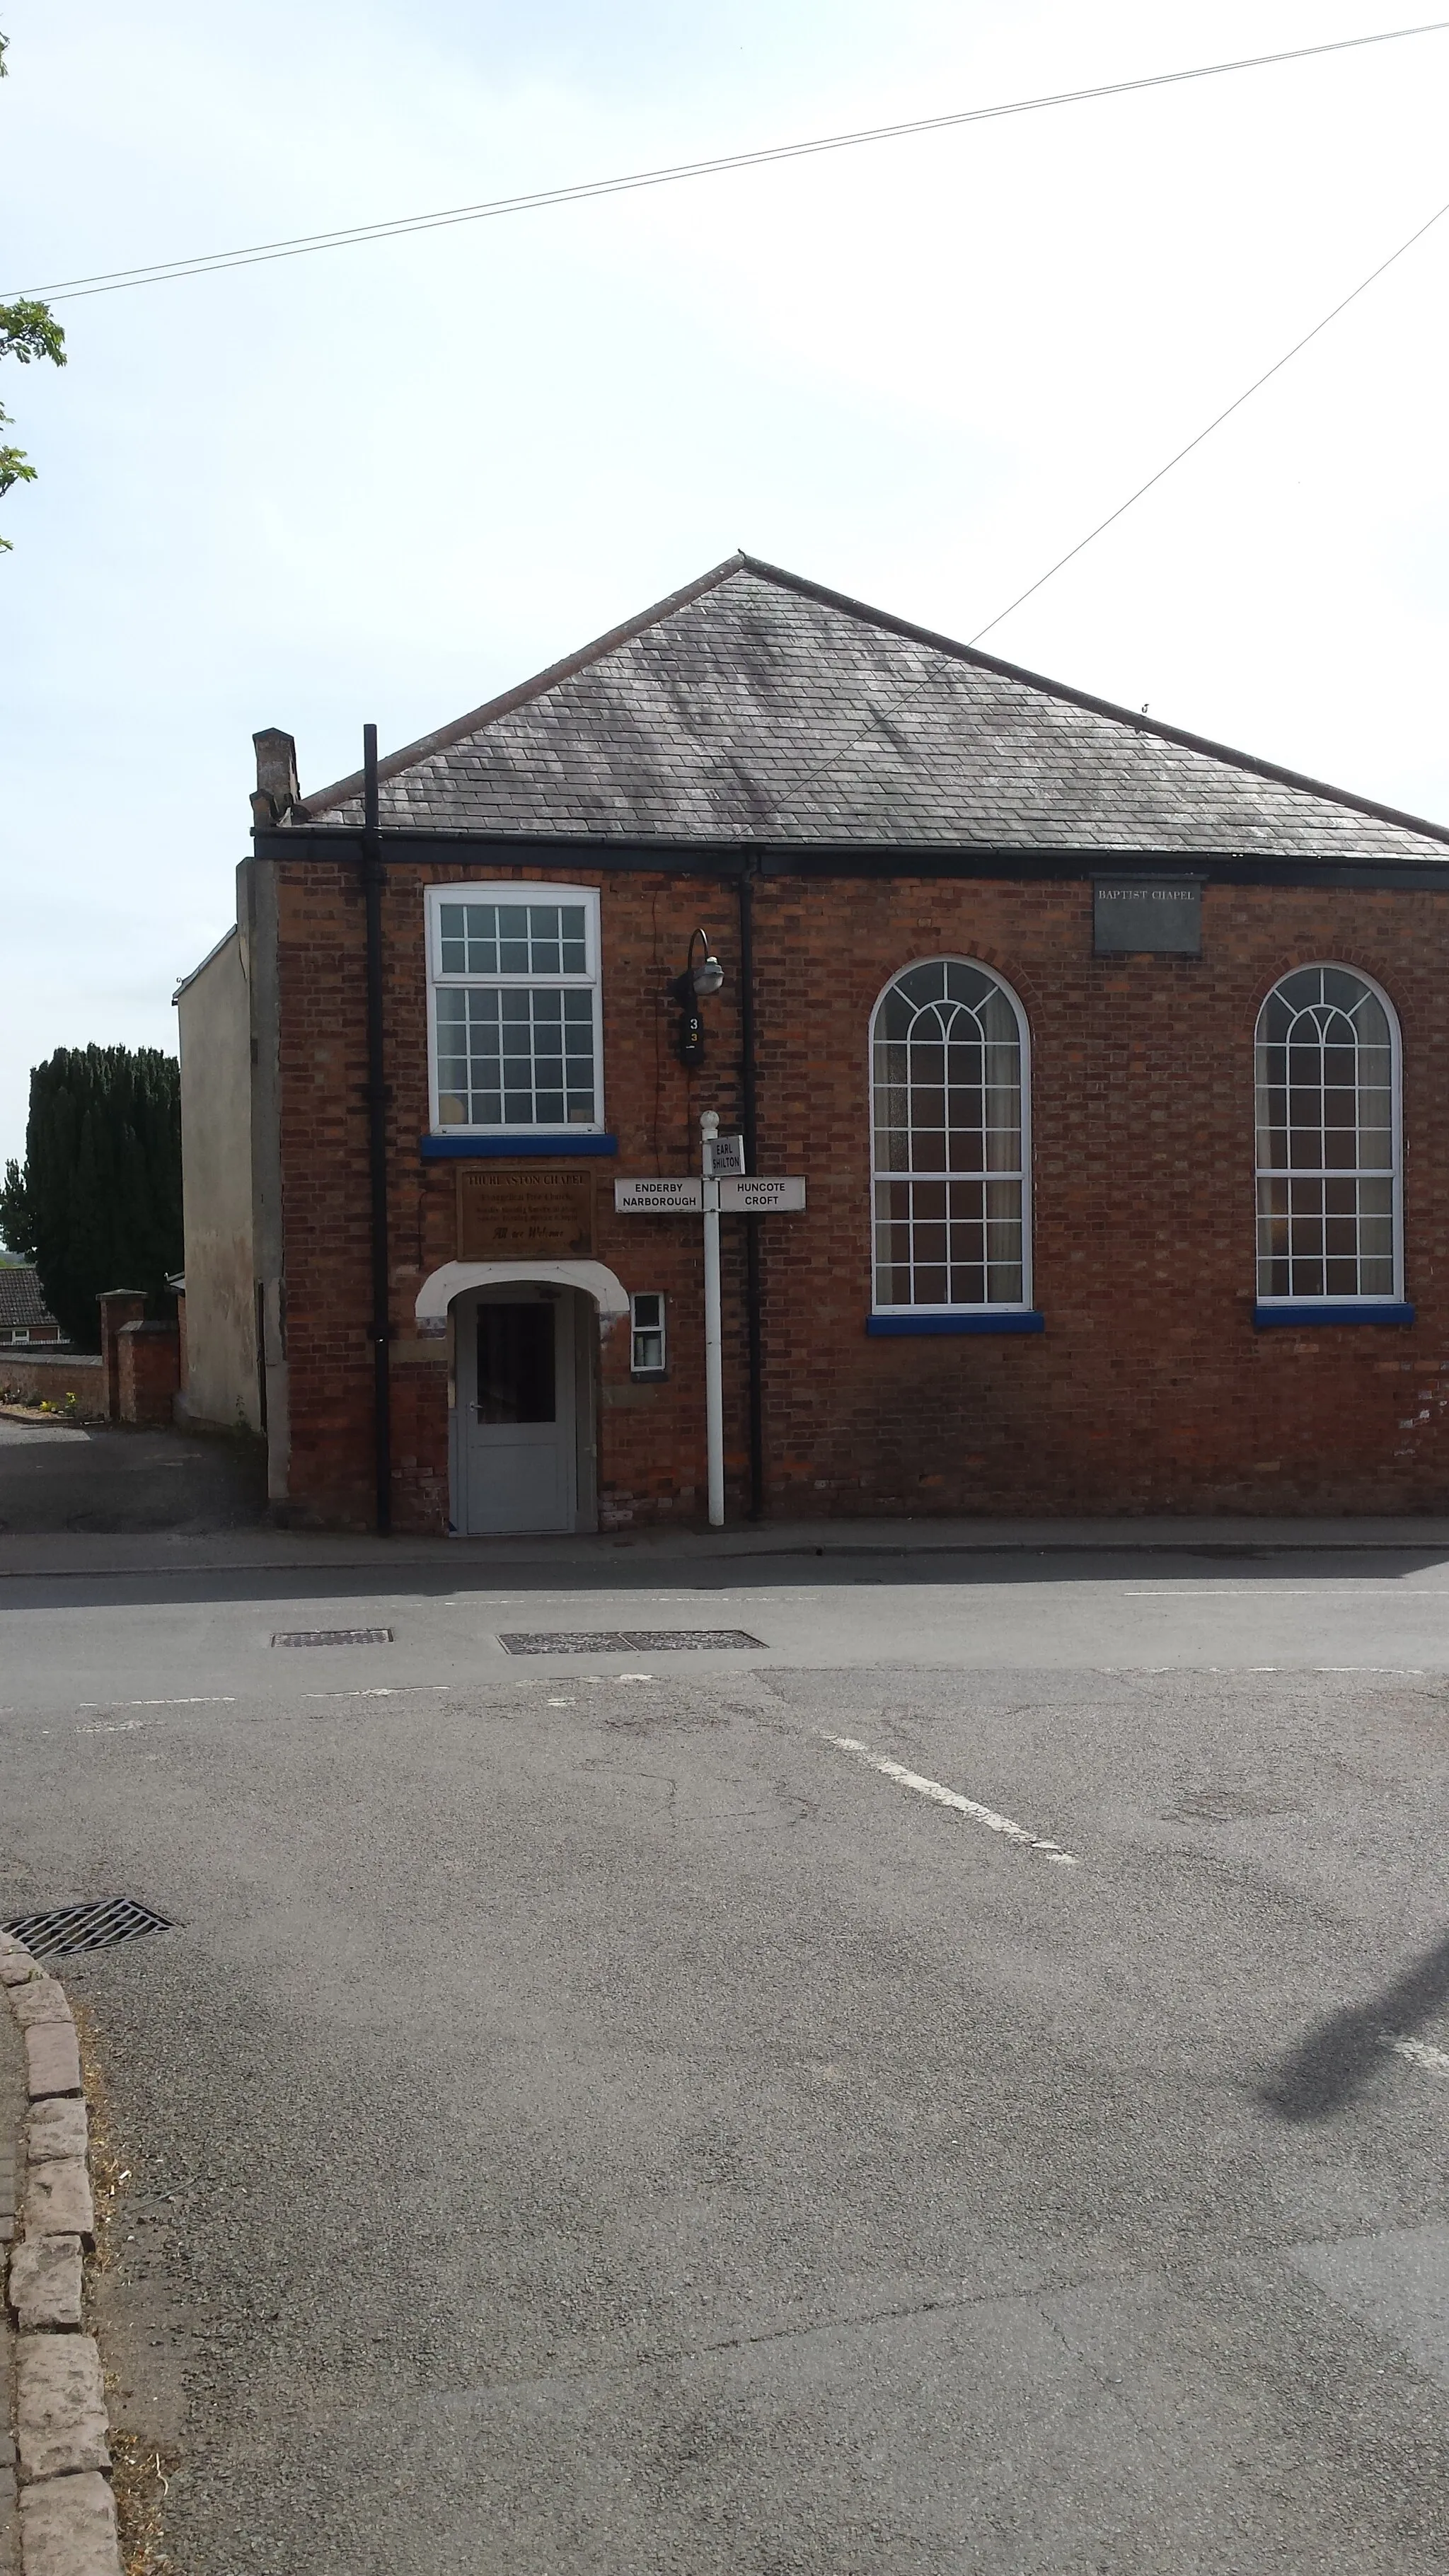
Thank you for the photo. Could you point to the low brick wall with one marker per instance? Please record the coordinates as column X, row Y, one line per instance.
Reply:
column 36, row 1372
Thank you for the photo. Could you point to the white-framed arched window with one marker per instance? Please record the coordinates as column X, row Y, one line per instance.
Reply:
column 950, row 1142
column 1330, row 1221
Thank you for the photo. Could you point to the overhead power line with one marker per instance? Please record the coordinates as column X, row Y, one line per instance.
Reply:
column 204, row 264
column 907, row 695
column 1215, row 423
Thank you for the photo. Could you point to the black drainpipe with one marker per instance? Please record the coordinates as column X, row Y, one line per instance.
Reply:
column 374, row 877
column 753, row 1324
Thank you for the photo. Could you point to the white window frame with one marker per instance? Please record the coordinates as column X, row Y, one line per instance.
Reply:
column 978, row 965
column 1269, row 1171
column 530, row 890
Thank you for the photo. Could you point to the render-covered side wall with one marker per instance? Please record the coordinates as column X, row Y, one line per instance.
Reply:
column 213, row 1008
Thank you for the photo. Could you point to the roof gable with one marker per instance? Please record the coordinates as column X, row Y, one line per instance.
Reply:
column 756, row 706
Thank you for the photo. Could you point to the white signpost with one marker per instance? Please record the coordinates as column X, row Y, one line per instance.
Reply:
column 723, row 1190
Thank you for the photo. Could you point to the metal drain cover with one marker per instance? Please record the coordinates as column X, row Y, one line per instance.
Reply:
column 333, row 1637
column 623, row 1641
column 101, row 1926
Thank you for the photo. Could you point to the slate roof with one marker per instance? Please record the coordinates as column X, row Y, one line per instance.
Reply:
column 757, row 706
column 22, row 1308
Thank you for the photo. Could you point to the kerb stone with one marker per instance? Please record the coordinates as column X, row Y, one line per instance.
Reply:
column 45, row 2282
column 58, row 2200
column 39, row 1999
column 52, row 2059
column 68, row 2527
column 61, row 2411
column 56, row 2128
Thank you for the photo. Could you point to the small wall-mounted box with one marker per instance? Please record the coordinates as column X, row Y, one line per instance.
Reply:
column 646, row 1333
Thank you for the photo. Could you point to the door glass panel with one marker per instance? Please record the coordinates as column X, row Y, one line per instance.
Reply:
column 515, row 1364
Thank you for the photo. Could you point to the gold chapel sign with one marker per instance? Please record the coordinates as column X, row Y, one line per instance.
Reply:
column 523, row 1215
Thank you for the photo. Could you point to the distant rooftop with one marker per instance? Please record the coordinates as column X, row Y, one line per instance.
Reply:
column 754, row 705
column 22, row 1308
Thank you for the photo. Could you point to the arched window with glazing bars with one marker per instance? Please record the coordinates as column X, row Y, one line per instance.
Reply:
column 950, row 1156
column 1329, row 1216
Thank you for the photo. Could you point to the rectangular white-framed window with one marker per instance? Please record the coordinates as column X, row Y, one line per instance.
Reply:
column 647, row 1351
column 515, row 1034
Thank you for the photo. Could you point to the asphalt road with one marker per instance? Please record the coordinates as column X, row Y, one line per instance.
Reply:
column 589, row 2116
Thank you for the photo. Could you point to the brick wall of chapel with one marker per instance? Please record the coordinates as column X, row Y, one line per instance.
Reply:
column 1149, row 1389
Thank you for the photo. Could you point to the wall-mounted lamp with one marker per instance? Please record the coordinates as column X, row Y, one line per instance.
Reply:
column 700, row 979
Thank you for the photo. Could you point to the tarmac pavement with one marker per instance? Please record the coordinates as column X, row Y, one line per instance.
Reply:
column 962, row 2087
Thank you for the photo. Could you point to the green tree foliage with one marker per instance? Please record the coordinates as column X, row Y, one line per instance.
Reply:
column 98, row 1202
column 28, row 330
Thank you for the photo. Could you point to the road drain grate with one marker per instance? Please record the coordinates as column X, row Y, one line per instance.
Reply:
column 624, row 1641
column 101, row 1926
column 333, row 1637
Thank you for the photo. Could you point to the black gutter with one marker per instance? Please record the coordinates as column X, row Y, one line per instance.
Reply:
column 748, row 1107
column 928, row 861
column 374, row 878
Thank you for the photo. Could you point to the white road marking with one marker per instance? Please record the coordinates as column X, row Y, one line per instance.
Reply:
column 114, row 1726
column 1418, row 2052
column 633, row 1677
column 389, row 1690
column 213, row 1699
column 925, row 1788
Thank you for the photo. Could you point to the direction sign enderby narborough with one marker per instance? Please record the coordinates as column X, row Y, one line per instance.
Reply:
column 658, row 1198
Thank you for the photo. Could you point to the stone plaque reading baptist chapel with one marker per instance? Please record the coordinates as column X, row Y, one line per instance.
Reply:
column 522, row 1216
column 1141, row 916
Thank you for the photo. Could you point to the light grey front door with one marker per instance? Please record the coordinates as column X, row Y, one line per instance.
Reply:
column 515, row 1358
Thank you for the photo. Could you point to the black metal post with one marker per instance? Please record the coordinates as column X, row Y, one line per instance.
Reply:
column 748, row 1102
column 374, row 877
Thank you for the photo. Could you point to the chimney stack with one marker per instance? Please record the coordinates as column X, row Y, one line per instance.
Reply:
column 277, row 791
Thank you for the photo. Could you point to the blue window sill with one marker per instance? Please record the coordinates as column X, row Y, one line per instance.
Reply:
column 1327, row 1310
column 1012, row 1319
column 458, row 1149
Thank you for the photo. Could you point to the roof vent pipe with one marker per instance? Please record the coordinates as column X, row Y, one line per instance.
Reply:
column 277, row 791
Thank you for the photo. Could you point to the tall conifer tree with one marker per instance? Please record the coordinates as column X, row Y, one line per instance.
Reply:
column 98, row 1202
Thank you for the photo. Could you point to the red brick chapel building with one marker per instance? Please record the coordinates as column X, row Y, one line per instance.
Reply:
column 1113, row 1063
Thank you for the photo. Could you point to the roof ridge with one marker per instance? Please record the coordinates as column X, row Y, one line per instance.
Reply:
column 524, row 690
column 1202, row 743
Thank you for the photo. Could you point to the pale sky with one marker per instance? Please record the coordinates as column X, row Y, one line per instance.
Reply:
column 386, row 482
